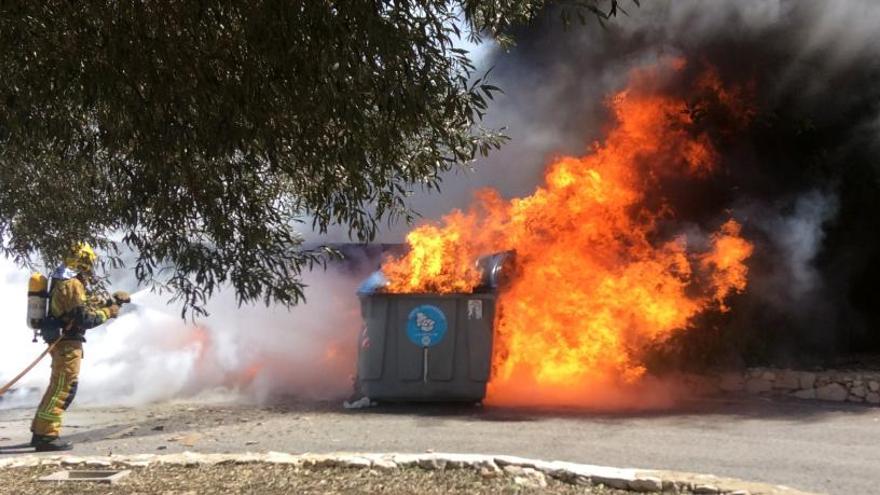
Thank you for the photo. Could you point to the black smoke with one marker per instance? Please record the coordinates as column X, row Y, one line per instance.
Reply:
column 803, row 177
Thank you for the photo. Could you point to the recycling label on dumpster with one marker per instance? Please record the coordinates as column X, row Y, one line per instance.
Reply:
column 426, row 325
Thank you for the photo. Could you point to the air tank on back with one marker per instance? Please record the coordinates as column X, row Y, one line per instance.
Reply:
column 38, row 298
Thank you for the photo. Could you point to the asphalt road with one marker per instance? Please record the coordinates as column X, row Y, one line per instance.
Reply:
column 807, row 445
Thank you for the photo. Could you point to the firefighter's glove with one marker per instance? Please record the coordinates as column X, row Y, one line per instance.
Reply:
column 112, row 311
column 121, row 297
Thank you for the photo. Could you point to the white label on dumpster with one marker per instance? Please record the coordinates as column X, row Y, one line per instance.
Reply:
column 475, row 309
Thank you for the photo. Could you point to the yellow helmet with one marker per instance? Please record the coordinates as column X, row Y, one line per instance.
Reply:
column 81, row 258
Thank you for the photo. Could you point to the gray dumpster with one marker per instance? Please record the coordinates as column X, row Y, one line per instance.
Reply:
column 425, row 347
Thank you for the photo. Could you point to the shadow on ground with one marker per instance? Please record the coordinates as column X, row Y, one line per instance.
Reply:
column 744, row 407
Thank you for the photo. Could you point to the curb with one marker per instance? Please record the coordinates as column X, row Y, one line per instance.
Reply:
column 649, row 481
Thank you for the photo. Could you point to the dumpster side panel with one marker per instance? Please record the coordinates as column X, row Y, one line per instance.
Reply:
column 441, row 357
column 416, row 363
column 410, row 365
column 410, row 355
column 480, row 315
column 371, row 354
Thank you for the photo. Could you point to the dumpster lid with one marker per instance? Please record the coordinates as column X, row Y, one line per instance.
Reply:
column 376, row 282
column 494, row 268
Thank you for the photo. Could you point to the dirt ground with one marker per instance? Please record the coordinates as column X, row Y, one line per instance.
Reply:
column 284, row 479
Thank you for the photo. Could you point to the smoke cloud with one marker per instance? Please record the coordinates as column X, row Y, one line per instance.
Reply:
column 795, row 229
column 251, row 353
column 803, row 178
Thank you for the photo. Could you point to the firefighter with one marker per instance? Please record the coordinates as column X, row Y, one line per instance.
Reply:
column 72, row 311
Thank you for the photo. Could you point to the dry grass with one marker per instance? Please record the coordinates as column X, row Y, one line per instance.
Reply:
column 284, row 479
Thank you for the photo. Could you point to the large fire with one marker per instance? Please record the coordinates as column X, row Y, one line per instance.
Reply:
column 596, row 282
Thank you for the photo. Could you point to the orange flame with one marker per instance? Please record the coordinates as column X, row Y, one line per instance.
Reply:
column 427, row 267
column 593, row 286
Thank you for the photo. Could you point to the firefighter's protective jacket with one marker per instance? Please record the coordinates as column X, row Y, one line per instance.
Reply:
column 69, row 303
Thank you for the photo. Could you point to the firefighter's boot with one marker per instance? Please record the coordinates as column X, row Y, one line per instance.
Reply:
column 43, row 443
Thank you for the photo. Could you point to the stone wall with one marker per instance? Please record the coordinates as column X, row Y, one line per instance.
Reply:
column 830, row 385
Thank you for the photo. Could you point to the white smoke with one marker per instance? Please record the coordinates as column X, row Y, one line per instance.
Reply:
column 795, row 228
column 150, row 354
column 16, row 350
column 800, row 236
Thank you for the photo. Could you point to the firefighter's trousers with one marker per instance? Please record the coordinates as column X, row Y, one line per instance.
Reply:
column 66, row 359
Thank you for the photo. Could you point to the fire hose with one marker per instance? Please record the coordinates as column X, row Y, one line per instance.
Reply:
column 29, row 368
column 118, row 298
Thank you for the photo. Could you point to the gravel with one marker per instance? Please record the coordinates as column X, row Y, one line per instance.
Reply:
column 284, row 479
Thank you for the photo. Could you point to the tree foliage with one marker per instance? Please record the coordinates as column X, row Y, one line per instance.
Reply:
column 200, row 134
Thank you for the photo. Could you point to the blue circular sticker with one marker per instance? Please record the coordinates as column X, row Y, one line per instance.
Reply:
column 426, row 325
